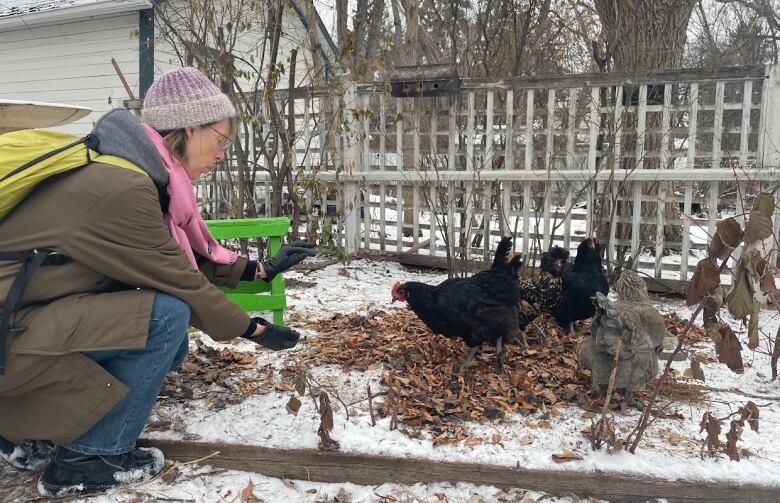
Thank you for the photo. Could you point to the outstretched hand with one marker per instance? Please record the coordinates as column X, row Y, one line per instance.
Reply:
column 288, row 256
column 275, row 337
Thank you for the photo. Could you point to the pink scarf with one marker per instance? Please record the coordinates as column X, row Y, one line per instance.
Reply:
column 183, row 218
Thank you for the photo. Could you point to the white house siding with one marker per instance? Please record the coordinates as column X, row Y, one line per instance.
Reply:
column 70, row 62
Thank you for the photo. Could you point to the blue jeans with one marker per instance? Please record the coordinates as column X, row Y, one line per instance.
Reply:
column 143, row 371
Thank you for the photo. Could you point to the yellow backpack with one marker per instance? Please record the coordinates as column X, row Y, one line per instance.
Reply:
column 29, row 156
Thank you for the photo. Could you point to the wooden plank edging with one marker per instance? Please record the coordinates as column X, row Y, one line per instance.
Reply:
column 329, row 466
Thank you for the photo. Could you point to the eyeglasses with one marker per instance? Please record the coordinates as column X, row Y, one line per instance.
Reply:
column 225, row 141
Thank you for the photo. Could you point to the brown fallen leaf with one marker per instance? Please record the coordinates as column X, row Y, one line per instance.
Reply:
column 247, row 493
column 545, row 424
column 566, row 456
column 473, row 441
column 526, row 440
column 695, row 371
column 293, row 405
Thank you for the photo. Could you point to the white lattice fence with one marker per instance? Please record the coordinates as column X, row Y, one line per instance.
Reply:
column 549, row 160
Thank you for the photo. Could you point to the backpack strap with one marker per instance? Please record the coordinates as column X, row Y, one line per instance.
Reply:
column 31, row 260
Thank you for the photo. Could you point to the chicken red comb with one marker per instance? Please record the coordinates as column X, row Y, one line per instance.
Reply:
column 395, row 288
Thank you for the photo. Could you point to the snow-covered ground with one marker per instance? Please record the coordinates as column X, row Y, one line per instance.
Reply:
column 670, row 448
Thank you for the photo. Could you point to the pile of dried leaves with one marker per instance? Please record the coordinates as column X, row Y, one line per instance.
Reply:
column 423, row 370
column 217, row 376
column 676, row 326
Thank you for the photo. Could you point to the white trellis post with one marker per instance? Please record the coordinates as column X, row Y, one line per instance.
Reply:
column 769, row 130
column 352, row 129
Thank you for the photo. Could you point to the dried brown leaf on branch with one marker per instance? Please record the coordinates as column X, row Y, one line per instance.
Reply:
column 733, row 435
column 326, row 424
column 749, row 413
column 775, row 354
column 727, row 237
column 711, row 425
column 764, row 272
column 729, row 349
column 745, row 299
column 759, row 225
column 740, row 299
column 705, row 280
column 300, row 382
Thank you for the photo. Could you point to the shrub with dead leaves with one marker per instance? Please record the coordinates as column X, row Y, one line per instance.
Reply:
column 753, row 285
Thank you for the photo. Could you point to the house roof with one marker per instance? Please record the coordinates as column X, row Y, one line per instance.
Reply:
column 25, row 12
column 27, row 7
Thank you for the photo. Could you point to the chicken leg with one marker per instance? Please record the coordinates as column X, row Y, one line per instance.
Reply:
column 500, row 354
column 470, row 357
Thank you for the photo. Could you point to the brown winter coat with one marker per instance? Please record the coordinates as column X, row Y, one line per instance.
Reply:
column 108, row 219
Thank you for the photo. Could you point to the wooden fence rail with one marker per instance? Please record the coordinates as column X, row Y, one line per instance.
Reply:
column 329, row 466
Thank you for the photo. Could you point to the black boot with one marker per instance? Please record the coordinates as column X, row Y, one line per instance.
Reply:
column 72, row 473
column 31, row 455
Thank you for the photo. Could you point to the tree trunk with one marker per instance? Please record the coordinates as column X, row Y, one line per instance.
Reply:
column 341, row 21
column 410, row 57
column 650, row 34
column 412, row 45
column 290, row 160
column 397, row 32
column 374, row 27
column 315, row 44
column 644, row 35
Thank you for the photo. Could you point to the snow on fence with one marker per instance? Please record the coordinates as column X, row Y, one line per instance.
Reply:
column 631, row 158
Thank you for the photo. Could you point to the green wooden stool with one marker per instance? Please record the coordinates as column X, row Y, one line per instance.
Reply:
column 256, row 295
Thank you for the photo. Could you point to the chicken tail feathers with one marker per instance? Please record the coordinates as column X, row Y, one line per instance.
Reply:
column 503, row 250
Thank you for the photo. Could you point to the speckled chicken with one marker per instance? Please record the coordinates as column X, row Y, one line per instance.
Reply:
column 542, row 293
column 639, row 326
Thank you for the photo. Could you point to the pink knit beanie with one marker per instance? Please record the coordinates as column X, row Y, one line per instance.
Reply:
column 184, row 97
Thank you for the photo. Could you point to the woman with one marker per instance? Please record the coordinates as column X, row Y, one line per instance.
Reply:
column 96, row 336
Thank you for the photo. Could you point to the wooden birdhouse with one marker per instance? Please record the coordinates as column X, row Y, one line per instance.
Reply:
column 424, row 80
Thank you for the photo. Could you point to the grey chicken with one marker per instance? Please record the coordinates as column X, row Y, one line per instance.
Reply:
column 639, row 326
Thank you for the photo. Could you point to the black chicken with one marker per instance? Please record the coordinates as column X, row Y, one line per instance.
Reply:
column 542, row 293
column 481, row 308
column 580, row 284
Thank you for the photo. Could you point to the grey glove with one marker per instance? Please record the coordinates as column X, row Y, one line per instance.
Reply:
column 275, row 337
column 288, row 256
